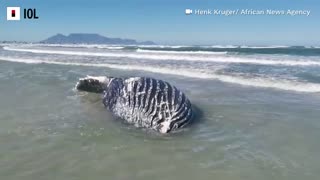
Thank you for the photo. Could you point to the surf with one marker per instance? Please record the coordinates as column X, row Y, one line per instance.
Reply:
column 151, row 56
column 180, row 52
column 287, row 85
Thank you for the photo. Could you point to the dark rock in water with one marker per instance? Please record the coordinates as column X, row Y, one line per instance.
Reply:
column 144, row 102
column 82, row 38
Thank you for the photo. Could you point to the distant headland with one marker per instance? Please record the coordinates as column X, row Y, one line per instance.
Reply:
column 85, row 38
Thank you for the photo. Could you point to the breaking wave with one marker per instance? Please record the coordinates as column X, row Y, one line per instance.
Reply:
column 175, row 57
column 180, row 52
column 193, row 73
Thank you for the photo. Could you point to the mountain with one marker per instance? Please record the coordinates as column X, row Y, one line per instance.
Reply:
column 84, row 38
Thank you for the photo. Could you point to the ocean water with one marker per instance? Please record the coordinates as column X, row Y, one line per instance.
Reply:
column 259, row 113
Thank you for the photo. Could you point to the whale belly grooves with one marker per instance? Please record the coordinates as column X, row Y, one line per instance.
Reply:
column 142, row 101
column 150, row 103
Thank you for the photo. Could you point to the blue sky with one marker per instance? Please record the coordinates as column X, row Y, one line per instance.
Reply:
column 164, row 21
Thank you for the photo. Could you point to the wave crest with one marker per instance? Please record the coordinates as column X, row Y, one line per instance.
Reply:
column 180, row 52
column 174, row 57
column 254, row 82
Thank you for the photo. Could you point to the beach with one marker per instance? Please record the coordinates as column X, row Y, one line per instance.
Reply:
column 259, row 116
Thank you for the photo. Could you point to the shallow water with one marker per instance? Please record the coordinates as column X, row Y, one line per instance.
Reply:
column 49, row 131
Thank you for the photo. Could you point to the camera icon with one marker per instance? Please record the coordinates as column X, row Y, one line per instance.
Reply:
column 188, row 11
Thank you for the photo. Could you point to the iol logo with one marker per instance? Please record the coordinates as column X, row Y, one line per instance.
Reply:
column 13, row 14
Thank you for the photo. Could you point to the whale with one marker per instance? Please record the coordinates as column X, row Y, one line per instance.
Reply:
column 142, row 101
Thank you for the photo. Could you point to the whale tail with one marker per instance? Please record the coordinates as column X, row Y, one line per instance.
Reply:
column 94, row 84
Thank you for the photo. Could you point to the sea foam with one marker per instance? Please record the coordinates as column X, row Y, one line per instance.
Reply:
column 174, row 57
column 192, row 73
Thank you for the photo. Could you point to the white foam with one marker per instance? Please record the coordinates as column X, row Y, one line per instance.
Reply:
column 193, row 73
column 206, row 58
column 179, row 52
column 162, row 46
column 264, row 47
column 109, row 47
column 221, row 46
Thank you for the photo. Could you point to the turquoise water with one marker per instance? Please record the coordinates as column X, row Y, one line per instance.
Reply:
column 49, row 131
